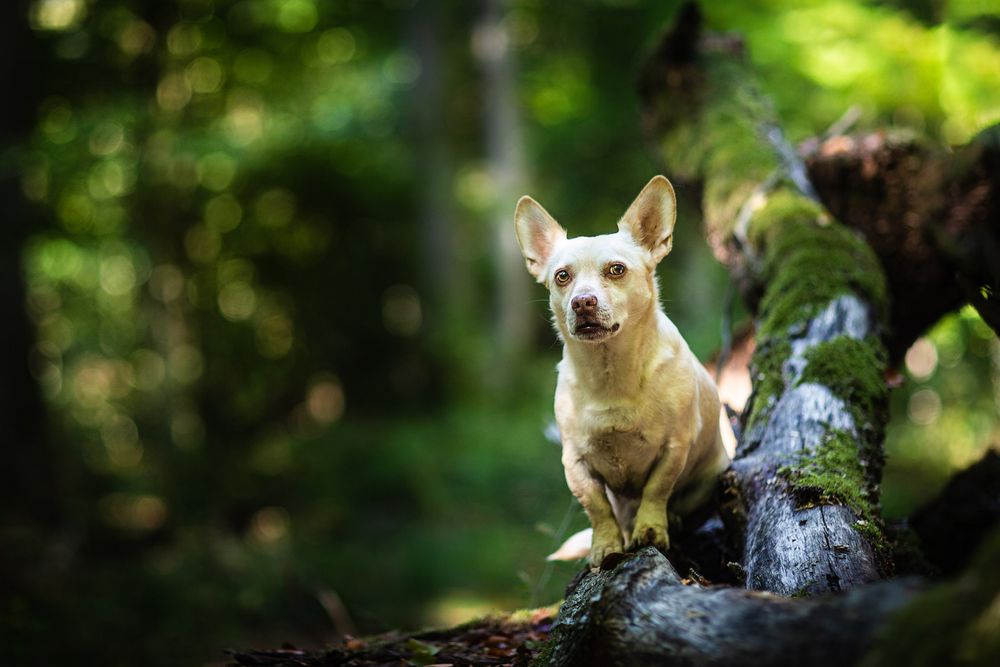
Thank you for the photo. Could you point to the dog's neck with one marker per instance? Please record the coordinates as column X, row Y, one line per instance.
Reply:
column 617, row 366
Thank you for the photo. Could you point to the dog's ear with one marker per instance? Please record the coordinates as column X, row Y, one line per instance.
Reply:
column 650, row 218
column 537, row 234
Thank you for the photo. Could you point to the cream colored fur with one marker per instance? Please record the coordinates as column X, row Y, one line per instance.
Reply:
column 637, row 412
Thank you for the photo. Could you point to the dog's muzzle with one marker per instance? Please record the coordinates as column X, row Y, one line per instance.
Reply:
column 591, row 328
column 589, row 321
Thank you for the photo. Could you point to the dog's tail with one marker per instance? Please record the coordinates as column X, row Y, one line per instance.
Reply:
column 575, row 548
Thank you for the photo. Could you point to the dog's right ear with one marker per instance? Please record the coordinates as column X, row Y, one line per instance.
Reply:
column 650, row 219
column 537, row 234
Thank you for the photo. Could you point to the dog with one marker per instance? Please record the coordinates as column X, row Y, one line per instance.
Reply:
column 637, row 413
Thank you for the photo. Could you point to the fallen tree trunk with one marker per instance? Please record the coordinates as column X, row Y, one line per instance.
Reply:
column 804, row 482
column 640, row 613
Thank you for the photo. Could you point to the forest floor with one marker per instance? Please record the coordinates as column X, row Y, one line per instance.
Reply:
column 512, row 640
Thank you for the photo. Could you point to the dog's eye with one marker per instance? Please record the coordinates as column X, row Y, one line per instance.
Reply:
column 616, row 270
column 562, row 276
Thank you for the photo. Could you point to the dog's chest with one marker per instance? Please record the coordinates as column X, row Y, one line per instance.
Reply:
column 620, row 444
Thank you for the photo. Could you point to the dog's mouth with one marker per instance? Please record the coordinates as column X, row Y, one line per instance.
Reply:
column 590, row 329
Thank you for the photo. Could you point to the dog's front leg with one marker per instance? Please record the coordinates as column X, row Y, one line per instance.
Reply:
column 651, row 519
column 589, row 490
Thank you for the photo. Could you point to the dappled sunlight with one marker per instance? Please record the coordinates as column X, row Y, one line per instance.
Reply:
column 269, row 525
column 401, row 310
column 462, row 606
column 58, row 14
column 924, row 407
column 325, row 400
column 879, row 60
column 922, row 358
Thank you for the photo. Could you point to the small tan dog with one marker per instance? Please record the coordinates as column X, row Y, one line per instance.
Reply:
column 637, row 412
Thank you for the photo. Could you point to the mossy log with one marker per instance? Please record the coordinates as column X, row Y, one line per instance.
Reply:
column 807, row 469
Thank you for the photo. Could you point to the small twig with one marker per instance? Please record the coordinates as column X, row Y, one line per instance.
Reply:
column 793, row 165
column 543, row 578
column 843, row 124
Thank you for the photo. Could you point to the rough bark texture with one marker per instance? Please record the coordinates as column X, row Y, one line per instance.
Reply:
column 809, row 462
column 640, row 613
column 929, row 214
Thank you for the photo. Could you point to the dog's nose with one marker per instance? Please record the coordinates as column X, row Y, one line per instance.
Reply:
column 584, row 303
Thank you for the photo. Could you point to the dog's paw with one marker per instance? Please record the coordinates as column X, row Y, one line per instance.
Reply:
column 649, row 535
column 607, row 550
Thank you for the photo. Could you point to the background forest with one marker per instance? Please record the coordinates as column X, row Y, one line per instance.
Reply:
column 273, row 368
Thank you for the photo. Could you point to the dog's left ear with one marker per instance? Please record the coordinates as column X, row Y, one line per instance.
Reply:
column 537, row 234
column 650, row 218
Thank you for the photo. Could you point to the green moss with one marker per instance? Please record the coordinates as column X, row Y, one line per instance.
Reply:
column 768, row 378
column 853, row 370
column 954, row 623
column 809, row 261
column 832, row 474
column 736, row 163
column 712, row 131
column 802, row 258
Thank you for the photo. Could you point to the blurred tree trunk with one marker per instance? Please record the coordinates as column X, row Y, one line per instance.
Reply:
column 446, row 286
column 28, row 482
column 505, row 164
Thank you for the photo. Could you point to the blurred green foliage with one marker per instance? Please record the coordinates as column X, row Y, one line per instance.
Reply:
column 265, row 410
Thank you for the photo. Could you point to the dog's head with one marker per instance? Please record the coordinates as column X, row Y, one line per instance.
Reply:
column 597, row 283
